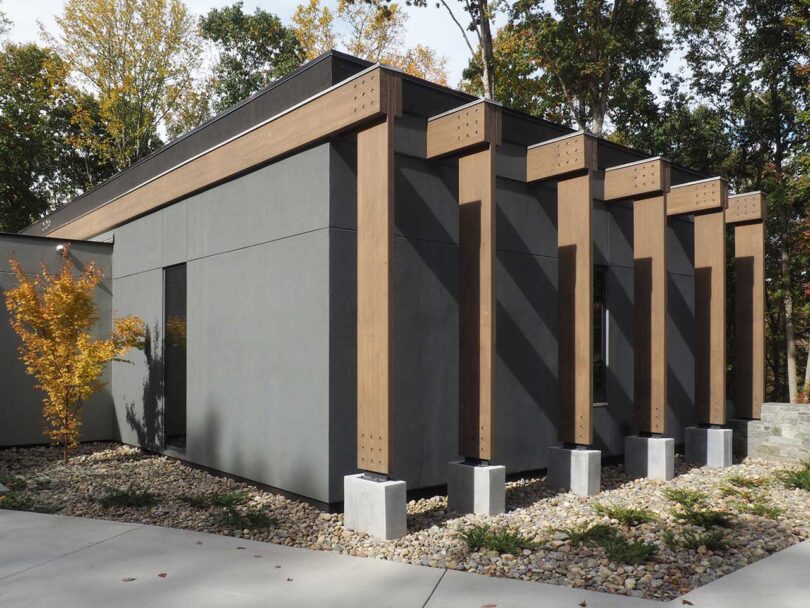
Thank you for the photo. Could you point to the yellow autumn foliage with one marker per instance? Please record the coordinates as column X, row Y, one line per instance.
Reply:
column 53, row 315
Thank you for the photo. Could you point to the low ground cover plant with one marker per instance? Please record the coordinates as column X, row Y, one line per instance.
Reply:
column 691, row 507
column 129, row 497
column 251, row 519
column 626, row 516
column 13, row 482
column 483, row 536
column 215, row 499
column 616, row 547
column 713, row 540
column 798, row 479
column 16, row 501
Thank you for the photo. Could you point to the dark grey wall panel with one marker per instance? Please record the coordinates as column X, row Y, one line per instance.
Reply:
column 620, row 234
column 526, row 359
column 601, row 238
column 680, row 246
column 426, row 334
column 21, row 403
column 526, row 218
column 138, row 388
column 283, row 199
column 258, row 363
column 680, row 355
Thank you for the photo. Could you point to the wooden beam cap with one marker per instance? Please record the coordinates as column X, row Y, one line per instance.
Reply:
column 641, row 178
column 470, row 126
column 556, row 158
column 746, row 207
column 696, row 197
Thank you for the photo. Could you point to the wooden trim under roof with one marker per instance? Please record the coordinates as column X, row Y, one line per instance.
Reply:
column 363, row 98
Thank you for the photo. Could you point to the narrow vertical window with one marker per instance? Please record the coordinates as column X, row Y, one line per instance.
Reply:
column 599, row 333
column 174, row 363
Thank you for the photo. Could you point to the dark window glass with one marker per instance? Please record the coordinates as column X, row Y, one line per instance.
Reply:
column 599, row 332
column 174, row 366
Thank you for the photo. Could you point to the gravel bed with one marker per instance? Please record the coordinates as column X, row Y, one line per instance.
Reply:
column 41, row 482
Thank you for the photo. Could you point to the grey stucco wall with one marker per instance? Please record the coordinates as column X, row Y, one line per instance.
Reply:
column 20, row 403
column 257, row 254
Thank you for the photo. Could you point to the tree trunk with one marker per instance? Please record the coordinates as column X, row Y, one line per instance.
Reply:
column 487, row 54
column 806, row 387
column 787, row 287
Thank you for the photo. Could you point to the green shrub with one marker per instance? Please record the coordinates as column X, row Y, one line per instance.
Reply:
column 588, row 534
column 796, row 478
column 713, row 540
column 13, row 482
column 128, row 498
column 252, row 519
column 215, row 499
column 627, row 516
column 482, row 536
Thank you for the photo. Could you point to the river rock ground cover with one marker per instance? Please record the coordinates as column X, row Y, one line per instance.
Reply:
column 638, row 537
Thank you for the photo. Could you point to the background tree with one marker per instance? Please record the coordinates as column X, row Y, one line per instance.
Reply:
column 253, row 50
column 749, row 59
column 374, row 30
column 593, row 55
column 40, row 165
column 53, row 314
column 136, row 58
column 314, row 28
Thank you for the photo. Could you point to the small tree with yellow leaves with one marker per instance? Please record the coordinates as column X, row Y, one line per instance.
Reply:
column 53, row 315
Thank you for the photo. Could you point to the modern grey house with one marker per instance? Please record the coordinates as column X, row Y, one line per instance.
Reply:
column 308, row 272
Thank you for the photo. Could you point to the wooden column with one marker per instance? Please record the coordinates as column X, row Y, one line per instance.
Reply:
column 375, row 218
column 707, row 200
column 472, row 132
column 747, row 212
column 647, row 183
column 571, row 160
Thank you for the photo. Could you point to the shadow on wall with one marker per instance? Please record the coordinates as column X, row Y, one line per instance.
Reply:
column 149, row 426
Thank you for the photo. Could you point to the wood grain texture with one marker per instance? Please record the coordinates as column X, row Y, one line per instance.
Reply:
column 636, row 179
column 471, row 126
column 358, row 101
column 650, row 313
column 477, row 303
column 710, row 317
column 747, row 207
column 375, row 371
column 698, row 197
column 575, row 307
column 749, row 319
column 562, row 156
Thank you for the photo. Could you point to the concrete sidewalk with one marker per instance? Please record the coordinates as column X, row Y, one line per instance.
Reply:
column 52, row 560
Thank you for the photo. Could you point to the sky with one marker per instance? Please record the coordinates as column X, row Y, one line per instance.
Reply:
column 430, row 25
